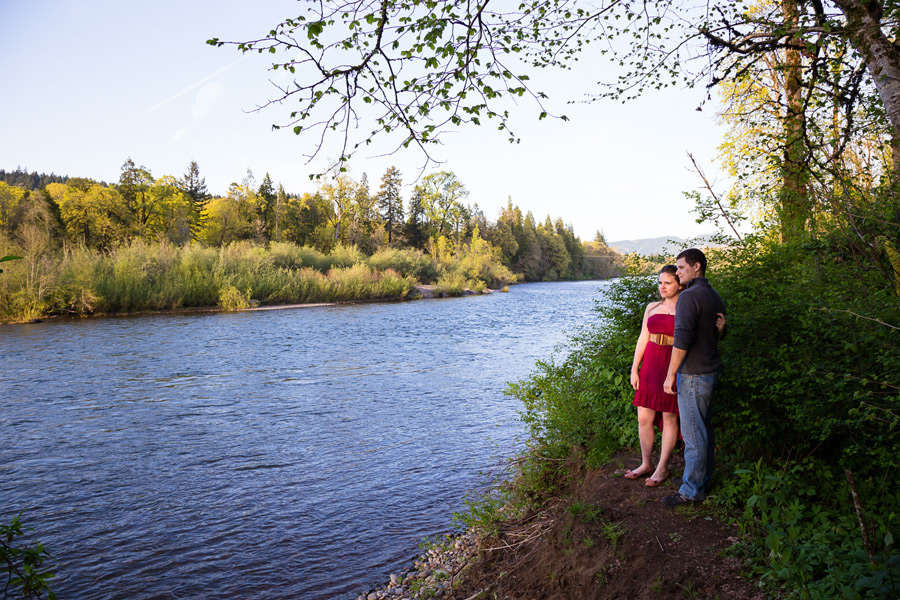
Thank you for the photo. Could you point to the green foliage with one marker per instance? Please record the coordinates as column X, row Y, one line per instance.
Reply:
column 231, row 298
column 141, row 276
column 810, row 388
column 9, row 257
column 451, row 284
column 812, row 364
column 805, row 532
column 23, row 563
column 345, row 256
column 585, row 400
column 339, row 226
column 406, row 261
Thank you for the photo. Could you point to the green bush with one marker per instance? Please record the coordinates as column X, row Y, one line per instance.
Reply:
column 406, row 262
column 231, row 298
column 810, row 390
column 344, row 256
column 452, row 283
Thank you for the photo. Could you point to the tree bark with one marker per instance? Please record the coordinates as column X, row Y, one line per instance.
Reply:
column 882, row 58
column 795, row 198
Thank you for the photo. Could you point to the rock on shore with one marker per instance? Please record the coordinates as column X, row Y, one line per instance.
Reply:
column 432, row 574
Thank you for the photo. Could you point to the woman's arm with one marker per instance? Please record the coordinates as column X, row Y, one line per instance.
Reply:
column 639, row 349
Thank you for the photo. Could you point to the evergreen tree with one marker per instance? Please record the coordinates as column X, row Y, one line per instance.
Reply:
column 194, row 187
column 364, row 218
column 415, row 225
column 281, row 200
column 390, row 204
column 266, row 199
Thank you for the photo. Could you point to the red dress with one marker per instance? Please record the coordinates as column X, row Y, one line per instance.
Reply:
column 654, row 367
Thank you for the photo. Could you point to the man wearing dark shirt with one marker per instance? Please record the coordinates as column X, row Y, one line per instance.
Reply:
column 696, row 363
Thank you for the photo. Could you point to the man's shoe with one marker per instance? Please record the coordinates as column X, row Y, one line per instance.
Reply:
column 677, row 500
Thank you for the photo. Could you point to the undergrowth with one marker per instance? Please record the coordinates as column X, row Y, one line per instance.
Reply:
column 807, row 415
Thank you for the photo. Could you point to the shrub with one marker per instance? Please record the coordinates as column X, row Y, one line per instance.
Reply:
column 451, row 283
column 344, row 256
column 406, row 262
column 809, row 392
column 231, row 298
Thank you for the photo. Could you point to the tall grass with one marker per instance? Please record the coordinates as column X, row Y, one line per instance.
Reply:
column 141, row 276
column 406, row 261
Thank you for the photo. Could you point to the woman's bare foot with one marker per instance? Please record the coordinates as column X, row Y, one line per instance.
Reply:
column 657, row 478
column 639, row 472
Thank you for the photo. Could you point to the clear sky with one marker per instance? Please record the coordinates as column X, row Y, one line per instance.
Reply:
column 89, row 83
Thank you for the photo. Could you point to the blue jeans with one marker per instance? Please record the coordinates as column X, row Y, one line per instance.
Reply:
column 694, row 403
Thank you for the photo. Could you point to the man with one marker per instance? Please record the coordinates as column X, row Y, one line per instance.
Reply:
column 695, row 361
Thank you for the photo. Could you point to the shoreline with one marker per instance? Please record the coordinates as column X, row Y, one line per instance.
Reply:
column 600, row 536
column 418, row 292
column 432, row 573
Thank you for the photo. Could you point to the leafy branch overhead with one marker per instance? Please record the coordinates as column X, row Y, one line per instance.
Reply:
column 9, row 257
column 418, row 68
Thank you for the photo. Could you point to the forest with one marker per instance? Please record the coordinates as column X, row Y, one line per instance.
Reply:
column 157, row 243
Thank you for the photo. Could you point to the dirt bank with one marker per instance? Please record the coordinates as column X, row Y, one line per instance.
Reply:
column 606, row 537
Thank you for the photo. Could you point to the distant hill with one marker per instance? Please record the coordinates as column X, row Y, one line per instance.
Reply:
column 660, row 245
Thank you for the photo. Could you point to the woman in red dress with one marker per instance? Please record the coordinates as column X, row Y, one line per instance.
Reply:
column 654, row 406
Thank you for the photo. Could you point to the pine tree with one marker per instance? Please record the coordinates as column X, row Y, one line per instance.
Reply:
column 194, row 187
column 390, row 204
column 415, row 225
column 266, row 199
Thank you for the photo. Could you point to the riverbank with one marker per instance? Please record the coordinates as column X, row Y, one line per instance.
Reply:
column 600, row 536
column 141, row 277
column 418, row 292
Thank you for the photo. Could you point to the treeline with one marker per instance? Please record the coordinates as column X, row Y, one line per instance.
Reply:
column 164, row 243
column 342, row 212
column 30, row 181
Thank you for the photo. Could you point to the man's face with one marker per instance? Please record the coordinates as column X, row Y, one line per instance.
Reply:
column 685, row 271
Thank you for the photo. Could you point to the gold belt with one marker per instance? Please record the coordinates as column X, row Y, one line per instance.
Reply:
column 662, row 339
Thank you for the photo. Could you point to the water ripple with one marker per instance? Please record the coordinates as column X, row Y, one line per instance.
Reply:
column 296, row 453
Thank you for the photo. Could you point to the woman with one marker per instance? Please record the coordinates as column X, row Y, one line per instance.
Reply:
column 654, row 347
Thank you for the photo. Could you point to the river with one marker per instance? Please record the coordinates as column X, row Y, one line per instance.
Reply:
column 298, row 453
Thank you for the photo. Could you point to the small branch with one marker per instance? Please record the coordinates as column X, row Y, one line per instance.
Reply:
column 715, row 197
column 867, row 537
column 879, row 321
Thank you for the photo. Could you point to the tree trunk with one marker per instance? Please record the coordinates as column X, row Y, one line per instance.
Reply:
column 882, row 60
column 795, row 199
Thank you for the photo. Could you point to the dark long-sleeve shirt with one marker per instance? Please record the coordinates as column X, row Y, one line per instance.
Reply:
column 695, row 327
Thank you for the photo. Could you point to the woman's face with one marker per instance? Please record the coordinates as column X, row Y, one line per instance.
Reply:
column 668, row 285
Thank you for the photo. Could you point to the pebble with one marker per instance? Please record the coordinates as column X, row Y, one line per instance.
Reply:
column 429, row 575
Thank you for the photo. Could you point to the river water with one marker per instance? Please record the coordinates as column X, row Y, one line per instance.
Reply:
column 298, row 453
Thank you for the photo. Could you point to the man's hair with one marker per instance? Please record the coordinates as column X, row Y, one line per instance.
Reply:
column 692, row 256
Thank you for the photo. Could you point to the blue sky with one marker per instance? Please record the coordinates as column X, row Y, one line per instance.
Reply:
column 88, row 83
